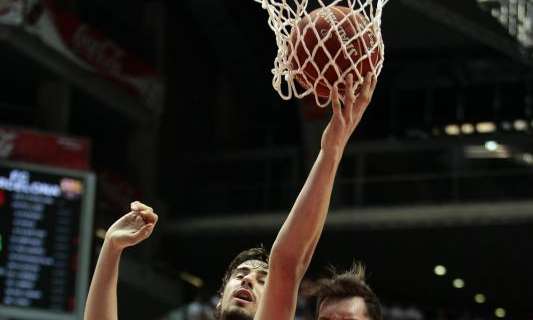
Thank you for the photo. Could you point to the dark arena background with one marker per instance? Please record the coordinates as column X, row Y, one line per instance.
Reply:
column 171, row 103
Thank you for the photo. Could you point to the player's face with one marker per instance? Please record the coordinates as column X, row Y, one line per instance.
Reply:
column 243, row 291
column 352, row 308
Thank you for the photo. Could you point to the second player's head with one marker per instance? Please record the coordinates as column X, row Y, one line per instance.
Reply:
column 347, row 296
column 243, row 285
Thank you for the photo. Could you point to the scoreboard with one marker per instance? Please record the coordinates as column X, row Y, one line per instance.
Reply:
column 45, row 237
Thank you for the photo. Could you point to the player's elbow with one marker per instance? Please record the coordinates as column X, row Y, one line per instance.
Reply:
column 288, row 262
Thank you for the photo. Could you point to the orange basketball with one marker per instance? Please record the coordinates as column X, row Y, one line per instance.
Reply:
column 317, row 48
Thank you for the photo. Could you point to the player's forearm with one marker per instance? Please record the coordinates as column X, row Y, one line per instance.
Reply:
column 102, row 298
column 299, row 235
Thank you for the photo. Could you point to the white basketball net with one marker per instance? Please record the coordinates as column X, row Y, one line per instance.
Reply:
column 283, row 18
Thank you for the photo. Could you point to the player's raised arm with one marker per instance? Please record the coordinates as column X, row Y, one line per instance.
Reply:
column 129, row 230
column 296, row 241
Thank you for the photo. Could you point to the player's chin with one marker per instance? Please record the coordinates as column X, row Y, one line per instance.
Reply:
column 236, row 312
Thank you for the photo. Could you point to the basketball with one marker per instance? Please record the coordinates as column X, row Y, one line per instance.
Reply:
column 316, row 52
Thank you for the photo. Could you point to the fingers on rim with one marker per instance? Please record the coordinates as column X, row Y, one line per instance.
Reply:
column 335, row 99
column 350, row 90
column 374, row 83
column 368, row 84
column 368, row 79
column 349, row 81
column 349, row 98
column 372, row 87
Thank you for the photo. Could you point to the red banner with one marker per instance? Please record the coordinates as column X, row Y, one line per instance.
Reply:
column 93, row 51
column 45, row 148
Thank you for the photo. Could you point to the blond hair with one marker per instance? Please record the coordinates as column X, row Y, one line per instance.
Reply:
column 350, row 283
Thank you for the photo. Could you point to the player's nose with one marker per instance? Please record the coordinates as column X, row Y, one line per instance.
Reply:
column 247, row 281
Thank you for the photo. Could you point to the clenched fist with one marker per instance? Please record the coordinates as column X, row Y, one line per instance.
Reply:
column 133, row 227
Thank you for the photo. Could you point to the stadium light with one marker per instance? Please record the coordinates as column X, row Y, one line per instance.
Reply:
column 527, row 158
column 491, row 145
column 520, row 125
column 440, row 270
column 480, row 298
column 468, row 128
column 100, row 233
column 452, row 130
column 458, row 283
column 500, row 313
column 486, row 127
